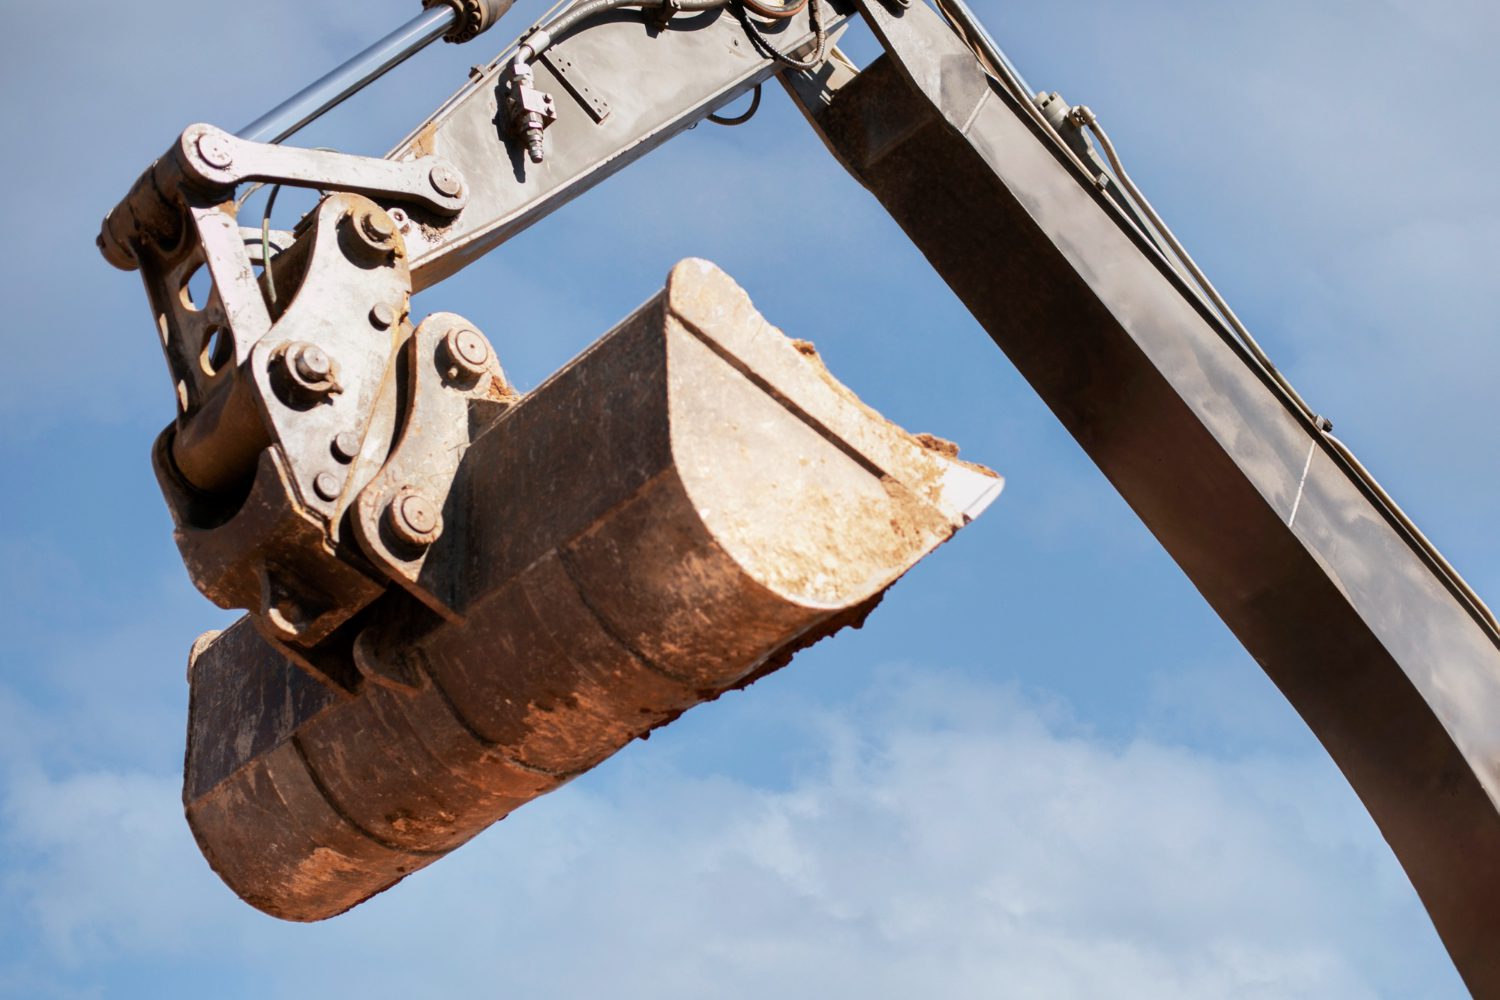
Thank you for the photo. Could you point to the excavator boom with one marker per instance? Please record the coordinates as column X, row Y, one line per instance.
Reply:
column 459, row 597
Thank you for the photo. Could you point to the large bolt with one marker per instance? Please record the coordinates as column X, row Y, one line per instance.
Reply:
column 309, row 368
column 445, row 181
column 214, row 149
column 376, row 231
column 468, row 353
column 311, row 363
column 414, row 519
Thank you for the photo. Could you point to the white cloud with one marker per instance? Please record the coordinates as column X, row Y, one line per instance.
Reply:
column 98, row 857
column 941, row 839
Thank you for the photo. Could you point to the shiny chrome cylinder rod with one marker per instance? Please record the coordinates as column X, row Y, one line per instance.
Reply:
column 333, row 89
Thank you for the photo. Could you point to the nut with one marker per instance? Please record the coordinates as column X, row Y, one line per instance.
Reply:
column 312, row 364
column 414, row 519
column 309, row 369
column 468, row 353
column 376, row 231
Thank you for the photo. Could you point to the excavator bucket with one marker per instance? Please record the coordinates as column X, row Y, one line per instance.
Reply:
column 669, row 517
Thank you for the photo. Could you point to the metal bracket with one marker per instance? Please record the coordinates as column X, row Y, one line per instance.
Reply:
column 576, row 81
column 456, row 387
column 309, row 395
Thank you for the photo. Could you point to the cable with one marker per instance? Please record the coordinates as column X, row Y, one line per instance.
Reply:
column 992, row 58
column 478, row 75
column 743, row 117
column 761, row 42
column 265, row 244
column 1423, row 543
column 1084, row 117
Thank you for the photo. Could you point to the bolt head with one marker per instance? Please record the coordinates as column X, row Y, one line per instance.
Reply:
column 346, row 446
column 471, row 347
column 309, row 368
column 376, row 232
column 326, row 485
column 468, row 353
column 414, row 519
column 382, row 316
column 215, row 151
column 312, row 363
column 378, row 226
column 445, row 181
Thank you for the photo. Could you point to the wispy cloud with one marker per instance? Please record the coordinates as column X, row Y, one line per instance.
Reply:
column 943, row 837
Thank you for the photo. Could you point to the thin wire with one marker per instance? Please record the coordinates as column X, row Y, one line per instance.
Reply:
column 1085, row 117
column 1443, row 565
column 994, row 61
column 990, row 57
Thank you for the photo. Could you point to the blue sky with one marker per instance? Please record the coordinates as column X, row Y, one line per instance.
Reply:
column 1043, row 769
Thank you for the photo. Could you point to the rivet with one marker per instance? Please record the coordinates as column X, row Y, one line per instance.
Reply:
column 346, row 447
column 382, row 316
column 376, row 232
column 326, row 485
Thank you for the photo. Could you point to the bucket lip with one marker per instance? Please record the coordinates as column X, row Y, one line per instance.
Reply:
column 928, row 486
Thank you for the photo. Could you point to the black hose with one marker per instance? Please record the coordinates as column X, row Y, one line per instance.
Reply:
column 762, row 43
column 742, row 118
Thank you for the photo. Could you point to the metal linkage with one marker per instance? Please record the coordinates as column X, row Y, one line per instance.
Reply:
column 317, row 433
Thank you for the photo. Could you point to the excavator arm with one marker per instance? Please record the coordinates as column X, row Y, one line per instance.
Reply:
column 460, row 597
